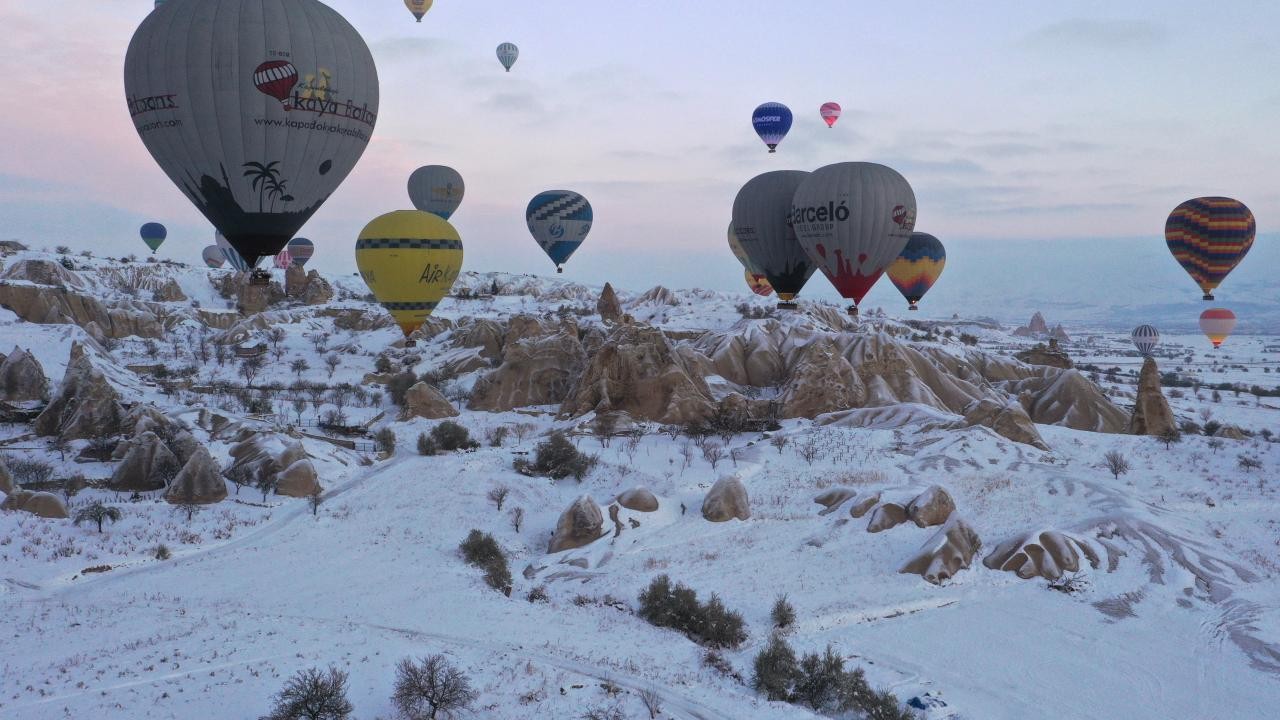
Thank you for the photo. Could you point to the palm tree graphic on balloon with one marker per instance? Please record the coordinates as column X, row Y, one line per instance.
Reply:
column 265, row 178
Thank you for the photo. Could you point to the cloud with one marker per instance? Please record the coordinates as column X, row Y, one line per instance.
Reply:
column 1092, row 35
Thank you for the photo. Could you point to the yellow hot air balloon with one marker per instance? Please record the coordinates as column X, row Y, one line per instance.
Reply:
column 410, row 260
column 418, row 7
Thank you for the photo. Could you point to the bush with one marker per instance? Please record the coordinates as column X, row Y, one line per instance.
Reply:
column 482, row 551
column 382, row 365
column 783, row 615
column 497, row 435
column 776, row 670
column 557, row 458
column 449, row 436
column 399, row 386
column 677, row 607
column 29, row 471
column 162, row 552
column 386, row 439
column 313, row 694
column 822, row 683
column 538, row 594
column 1212, row 427
column 427, row 446
column 430, row 686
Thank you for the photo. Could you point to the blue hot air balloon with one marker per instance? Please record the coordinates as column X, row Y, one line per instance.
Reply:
column 559, row 220
column 153, row 234
column 772, row 122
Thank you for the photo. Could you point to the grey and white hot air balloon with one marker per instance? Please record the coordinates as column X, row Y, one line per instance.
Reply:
column 1146, row 338
column 762, row 223
column 213, row 257
column 437, row 189
column 256, row 109
column 508, row 53
column 854, row 219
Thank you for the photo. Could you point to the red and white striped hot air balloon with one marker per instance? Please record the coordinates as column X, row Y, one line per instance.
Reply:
column 830, row 113
column 283, row 259
column 276, row 78
column 1217, row 324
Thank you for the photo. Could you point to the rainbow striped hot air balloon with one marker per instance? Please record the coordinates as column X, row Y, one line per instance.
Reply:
column 1208, row 237
column 1217, row 324
column 918, row 267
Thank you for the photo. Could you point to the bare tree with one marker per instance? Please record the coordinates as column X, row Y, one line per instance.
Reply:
column 1248, row 463
column 809, row 450
column 313, row 694
column 633, row 444
column 778, row 442
column 713, row 453
column 1117, row 464
column 332, row 362
column 299, row 407
column 276, row 336
column 299, row 366
column 250, row 367
column 1169, row 437
column 652, row 701
column 1216, row 444
column 522, row 430
column 498, row 495
column 517, row 518
column 314, row 499
column 1206, row 414
column 430, row 686
column 686, row 452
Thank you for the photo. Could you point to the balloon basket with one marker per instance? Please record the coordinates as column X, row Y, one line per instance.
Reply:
column 1207, row 296
column 853, row 311
column 559, row 269
column 408, row 342
column 913, row 308
column 788, row 305
column 259, row 277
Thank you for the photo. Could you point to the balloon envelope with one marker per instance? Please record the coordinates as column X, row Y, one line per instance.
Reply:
column 301, row 249
column 1208, row 237
column 830, row 113
column 419, row 8
column 508, row 53
column 854, row 219
column 1146, row 338
column 1217, row 324
column 283, row 260
column 256, row 109
column 232, row 256
column 762, row 223
column 436, row 189
column 153, row 234
column 739, row 252
column 772, row 122
column 410, row 260
column 918, row 267
column 559, row 220
column 759, row 284
column 213, row 257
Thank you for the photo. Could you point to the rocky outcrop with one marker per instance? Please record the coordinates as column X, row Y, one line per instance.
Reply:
column 931, row 507
column 821, row 381
column 639, row 372
column 22, row 378
column 298, row 480
column 886, row 517
column 747, row 355
column 536, row 370
column 1007, row 420
column 1047, row 356
column 40, row 504
column 1047, row 554
column 295, row 281
column 149, row 465
column 726, row 500
column 86, row 406
column 949, row 551
column 318, row 290
column 198, row 483
column 47, row 305
column 832, row 499
column 1230, row 432
column 639, row 500
column 658, row 295
column 1035, row 328
column 485, row 335
column 356, row 319
column 607, row 306
column 15, row 499
column 1069, row 399
column 1059, row 334
column 581, row 524
column 423, row 400
column 252, row 298
column 1151, row 413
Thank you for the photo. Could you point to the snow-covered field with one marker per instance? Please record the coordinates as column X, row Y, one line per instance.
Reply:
column 1181, row 618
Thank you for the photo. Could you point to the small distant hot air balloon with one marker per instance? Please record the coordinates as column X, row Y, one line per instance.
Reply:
column 1208, row 237
column 231, row 255
column 918, row 267
column 772, row 122
column 213, row 257
column 153, row 234
column 418, row 7
column 283, row 260
column 1146, row 338
column 559, row 220
column 301, row 249
column 758, row 284
column 410, row 260
column 508, row 53
column 436, row 189
column 1217, row 324
column 830, row 113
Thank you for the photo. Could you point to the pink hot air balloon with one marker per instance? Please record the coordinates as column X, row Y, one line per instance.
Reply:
column 283, row 259
column 830, row 113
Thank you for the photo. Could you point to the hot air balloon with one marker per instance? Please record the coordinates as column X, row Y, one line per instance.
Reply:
column 418, row 7
column 559, row 220
column 772, row 122
column 1146, row 338
column 301, row 249
column 917, row 267
column 854, row 219
column 1217, row 324
column 213, row 257
column 256, row 109
column 436, row 189
column 153, row 234
column 410, row 260
column 830, row 113
column 283, row 260
column 232, row 256
column 758, row 284
column 508, row 53
column 1208, row 237
column 762, row 224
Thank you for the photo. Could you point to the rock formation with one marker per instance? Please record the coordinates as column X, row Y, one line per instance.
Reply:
column 299, row 479
column 607, row 306
column 423, row 400
column 950, row 550
column 149, row 465
column 537, row 370
column 726, row 500
column 198, row 483
column 832, row 499
column 22, row 378
column 639, row 500
column 886, row 517
column 1036, row 327
column 40, row 504
column 581, row 524
column 252, row 298
column 47, row 304
column 318, row 290
column 7, row 485
column 1151, row 413
column 821, row 381
column 1067, row 398
column 295, row 281
column 86, row 406
column 1009, row 421
column 1047, row 554
column 1046, row 355
column 931, row 507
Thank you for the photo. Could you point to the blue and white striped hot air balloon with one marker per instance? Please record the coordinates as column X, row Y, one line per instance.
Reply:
column 1146, row 338
column 772, row 122
column 508, row 53
column 233, row 257
column 559, row 220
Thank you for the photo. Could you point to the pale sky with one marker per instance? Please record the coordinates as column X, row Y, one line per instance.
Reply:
column 1018, row 120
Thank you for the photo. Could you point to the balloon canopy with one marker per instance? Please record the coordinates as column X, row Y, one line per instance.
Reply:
column 1217, row 324
column 762, row 224
column 410, row 260
column 419, row 8
column 1208, row 237
column 508, row 53
column 772, row 122
column 1146, row 338
column 213, row 257
column 830, row 113
column 256, row 109
column 153, row 234
column 436, row 189
column 918, row 267
column 559, row 221
column 232, row 256
column 758, row 284
column 301, row 249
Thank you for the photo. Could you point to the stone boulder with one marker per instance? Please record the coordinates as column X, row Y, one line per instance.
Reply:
column 198, row 483
column 22, row 378
column 862, row 506
column 423, row 400
column 254, row 457
column 1047, row 554
column 832, row 499
column 931, row 507
column 40, row 504
column 1007, row 420
column 1230, row 432
column 1151, row 413
column 639, row 500
column 183, row 445
column 949, row 551
column 149, row 465
column 886, row 517
column 536, row 370
column 15, row 499
column 581, row 524
column 86, row 406
column 608, row 306
column 726, row 500
column 298, row 480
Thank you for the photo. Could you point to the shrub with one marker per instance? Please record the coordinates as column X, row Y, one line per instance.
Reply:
column 776, row 670
column 430, row 686
column 482, row 551
column 449, row 436
column 557, row 459
column 382, row 365
column 29, row 471
column 399, row 386
column 497, row 435
column 677, row 607
column 1117, row 464
column 162, row 552
column 783, row 615
column 427, row 446
column 822, row 683
column 538, row 594
column 313, row 694
column 386, row 439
